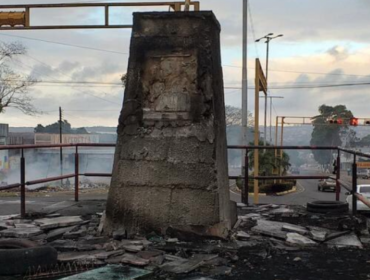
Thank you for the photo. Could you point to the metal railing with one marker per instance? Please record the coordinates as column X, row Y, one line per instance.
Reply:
column 339, row 183
column 23, row 183
column 245, row 199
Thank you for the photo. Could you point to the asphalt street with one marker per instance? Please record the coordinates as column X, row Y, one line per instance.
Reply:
column 306, row 192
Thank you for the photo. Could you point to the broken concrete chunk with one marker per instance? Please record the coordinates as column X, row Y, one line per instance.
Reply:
column 78, row 256
column 149, row 254
column 270, row 228
column 106, row 255
column 59, row 222
column 318, row 235
column 241, row 235
column 20, row 232
column 134, row 260
column 25, row 226
column 300, row 240
column 350, row 240
column 186, row 265
column 280, row 211
column 75, row 234
column 132, row 248
column 294, row 228
column 57, row 233
column 101, row 223
column 172, row 240
column 64, row 245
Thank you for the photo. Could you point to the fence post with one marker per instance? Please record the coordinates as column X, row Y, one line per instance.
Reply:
column 245, row 191
column 23, row 185
column 338, row 186
column 77, row 171
column 354, row 185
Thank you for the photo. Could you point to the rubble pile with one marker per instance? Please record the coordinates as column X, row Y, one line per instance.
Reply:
column 266, row 239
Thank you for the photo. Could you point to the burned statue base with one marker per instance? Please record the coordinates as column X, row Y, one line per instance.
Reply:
column 170, row 166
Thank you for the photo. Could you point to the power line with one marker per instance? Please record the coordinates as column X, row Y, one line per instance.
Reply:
column 83, row 92
column 63, row 44
column 252, row 27
column 231, row 66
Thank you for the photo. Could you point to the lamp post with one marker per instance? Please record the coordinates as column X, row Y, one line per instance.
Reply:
column 268, row 38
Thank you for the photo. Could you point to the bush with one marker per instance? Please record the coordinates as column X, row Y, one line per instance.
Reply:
column 268, row 186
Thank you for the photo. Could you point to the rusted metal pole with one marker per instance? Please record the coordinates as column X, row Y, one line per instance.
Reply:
column 23, row 185
column 77, row 171
column 338, row 187
column 354, row 185
column 106, row 17
column 246, row 179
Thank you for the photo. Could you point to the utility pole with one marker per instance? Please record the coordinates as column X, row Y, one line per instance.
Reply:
column 245, row 80
column 61, row 142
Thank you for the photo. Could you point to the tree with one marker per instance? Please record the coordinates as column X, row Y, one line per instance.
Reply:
column 325, row 134
column 54, row 128
column 14, row 87
column 267, row 160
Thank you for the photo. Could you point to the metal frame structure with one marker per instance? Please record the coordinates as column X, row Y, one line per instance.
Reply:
column 339, row 183
column 350, row 187
column 23, row 183
column 260, row 85
column 26, row 10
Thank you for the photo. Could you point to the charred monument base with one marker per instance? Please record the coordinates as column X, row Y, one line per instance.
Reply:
column 170, row 166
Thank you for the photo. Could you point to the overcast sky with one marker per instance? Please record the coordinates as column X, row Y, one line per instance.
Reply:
column 325, row 43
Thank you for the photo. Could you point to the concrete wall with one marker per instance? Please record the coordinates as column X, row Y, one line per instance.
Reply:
column 170, row 164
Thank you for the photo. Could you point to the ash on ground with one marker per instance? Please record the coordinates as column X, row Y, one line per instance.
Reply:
column 275, row 242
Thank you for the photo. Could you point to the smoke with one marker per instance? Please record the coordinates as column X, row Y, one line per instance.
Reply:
column 45, row 163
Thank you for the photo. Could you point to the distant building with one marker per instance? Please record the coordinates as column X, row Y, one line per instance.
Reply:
column 52, row 139
column 4, row 155
column 4, row 132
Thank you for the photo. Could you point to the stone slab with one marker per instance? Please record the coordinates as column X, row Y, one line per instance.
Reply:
column 350, row 240
column 295, row 228
column 134, row 260
column 242, row 235
column 300, row 240
column 21, row 232
column 67, row 221
column 186, row 265
column 58, row 233
column 270, row 228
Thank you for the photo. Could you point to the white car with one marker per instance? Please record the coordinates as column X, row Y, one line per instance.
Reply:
column 364, row 190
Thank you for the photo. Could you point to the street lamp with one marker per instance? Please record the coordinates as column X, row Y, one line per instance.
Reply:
column 268, row 38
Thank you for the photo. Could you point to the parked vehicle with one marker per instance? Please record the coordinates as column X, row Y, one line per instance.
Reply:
column 326, row 184
column 363, row 173
column 364, row 190
column 294, row 170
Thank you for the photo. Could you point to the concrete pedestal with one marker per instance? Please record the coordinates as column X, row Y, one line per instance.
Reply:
column 170, row 166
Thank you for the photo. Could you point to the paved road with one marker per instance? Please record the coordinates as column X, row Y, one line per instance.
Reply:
column 306, row 192
column 11, row 205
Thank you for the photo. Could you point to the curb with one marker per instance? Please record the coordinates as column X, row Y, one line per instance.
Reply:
column 294, row 189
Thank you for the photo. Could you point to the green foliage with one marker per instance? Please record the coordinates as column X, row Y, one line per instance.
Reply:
column 268, row 162
column 328, row 135
column 268, row 186
column 54, row 128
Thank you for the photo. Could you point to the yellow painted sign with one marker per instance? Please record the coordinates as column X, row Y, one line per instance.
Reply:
column 363, row 165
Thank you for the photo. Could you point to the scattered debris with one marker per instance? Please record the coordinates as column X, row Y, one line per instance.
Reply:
column 350, row 240
column 297, row 239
